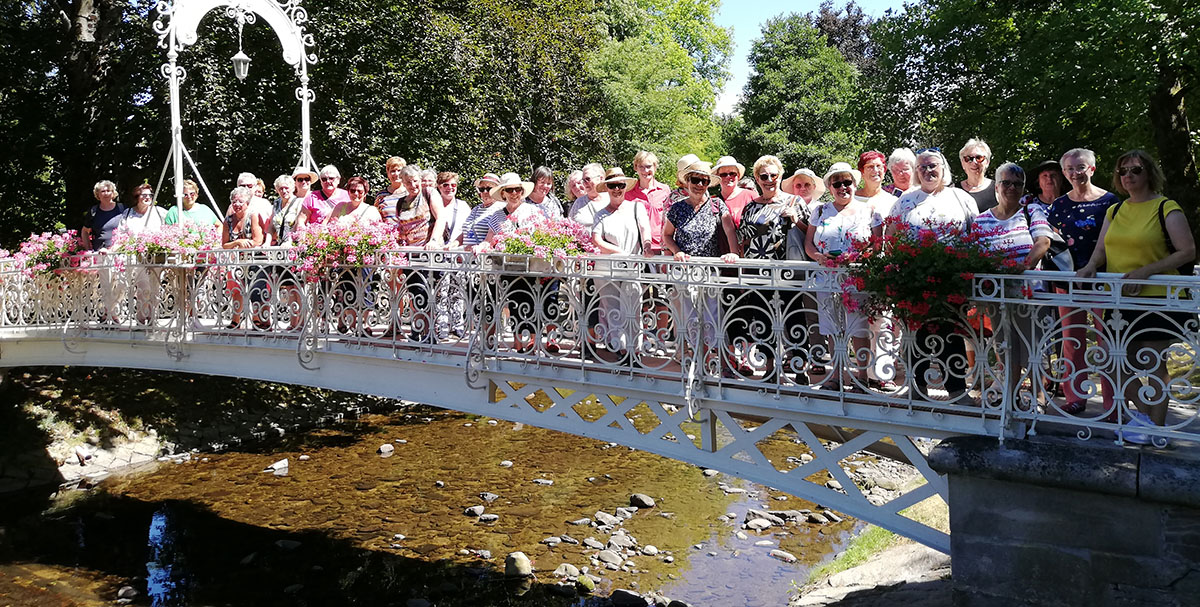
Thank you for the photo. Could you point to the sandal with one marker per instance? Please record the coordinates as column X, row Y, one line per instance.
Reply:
column 1074, row 407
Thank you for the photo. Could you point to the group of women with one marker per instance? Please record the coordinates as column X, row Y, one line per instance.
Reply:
column 713, row 211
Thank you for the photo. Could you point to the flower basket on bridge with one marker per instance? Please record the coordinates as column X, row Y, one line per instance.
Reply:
column 918, row 275
column 45, row 253
column 328, row 246
column 178, row 243
column 548, row 239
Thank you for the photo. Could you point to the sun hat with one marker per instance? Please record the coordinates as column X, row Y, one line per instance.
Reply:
column 789, row 184
column 303, row 172
column 615, row 175
column 728, row 161
column 487, row 178
column 509, row 180
column 684, row 162
column 701, row 167
column 1031, row 178
column 842, row 167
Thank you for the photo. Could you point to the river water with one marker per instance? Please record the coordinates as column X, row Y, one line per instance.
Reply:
column 345, row 525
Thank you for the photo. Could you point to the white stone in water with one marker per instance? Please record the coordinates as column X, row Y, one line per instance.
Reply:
column 710, row 472
column 506, row 464
column 649, row 550
column 543, row 481
column 668, row 559
column 517, row 564
column 609, row 557
column 385, row 449
column 474, row 511
column 806, row 457
column 552, row 541
column 786, row 557
column 305, row 458
column 489, row 518
column 579, row 522
column 758, row 524
column 401, row 441
column 764, row 543
column 277, row 466
column 742, row 536
column 492, row 422
column 835, row 485
column 399, row 536
column 567, row 570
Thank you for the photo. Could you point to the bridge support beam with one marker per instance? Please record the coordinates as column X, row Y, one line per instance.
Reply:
column 1059, row 521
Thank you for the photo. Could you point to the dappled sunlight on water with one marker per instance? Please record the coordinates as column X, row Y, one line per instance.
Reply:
column 370, row 527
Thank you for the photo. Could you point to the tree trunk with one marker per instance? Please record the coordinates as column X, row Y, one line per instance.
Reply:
column 1168, row 117
column 86, row 66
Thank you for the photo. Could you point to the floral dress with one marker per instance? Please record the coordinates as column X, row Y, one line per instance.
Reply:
column 764, row 228
column 697, row 230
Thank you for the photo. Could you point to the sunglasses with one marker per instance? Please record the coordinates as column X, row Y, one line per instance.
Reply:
column 483, row 189
column 358, row 191
column 768, row 177
column 704, row 181
column 975, row 158
column 512, row 191
column 727, row 174
column 846, row 183
column 1136, row 170
column 1011, row 184
column 329, row 179
column 304, row 179
column 616, row 186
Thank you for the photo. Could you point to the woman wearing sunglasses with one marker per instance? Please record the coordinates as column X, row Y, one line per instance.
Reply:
column 518, row 292
column 944, row 210
column 1145, row 235
column 834, row 228
column 736, row 197
column 692, row 228
column 976, row 156
column 763, row 234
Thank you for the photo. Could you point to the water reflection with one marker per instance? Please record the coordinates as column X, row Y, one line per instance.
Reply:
column 166, row 570
column 346, row 525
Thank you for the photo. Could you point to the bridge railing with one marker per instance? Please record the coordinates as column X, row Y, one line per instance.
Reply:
column 1017, row 356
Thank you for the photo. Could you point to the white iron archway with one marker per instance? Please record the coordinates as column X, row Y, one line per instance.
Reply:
column 176, row 27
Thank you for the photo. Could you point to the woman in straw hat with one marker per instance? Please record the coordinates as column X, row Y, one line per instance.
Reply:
column 516, row 291
column 730, row 172
column 621, row 228
column 835, row 228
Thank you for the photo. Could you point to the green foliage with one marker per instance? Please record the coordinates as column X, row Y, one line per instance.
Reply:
column 795, row 102
column 1032, row 80
column 463, row 86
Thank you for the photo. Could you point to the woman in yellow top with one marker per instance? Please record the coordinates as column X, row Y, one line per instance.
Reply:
column 1132, row 242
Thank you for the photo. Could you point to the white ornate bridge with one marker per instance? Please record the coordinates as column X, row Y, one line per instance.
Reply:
column 720, row 366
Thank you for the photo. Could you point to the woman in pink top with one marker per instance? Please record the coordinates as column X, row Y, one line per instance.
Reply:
column 320, row 202
column 730, row 172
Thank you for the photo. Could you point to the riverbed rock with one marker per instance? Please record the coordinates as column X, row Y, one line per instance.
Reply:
column 506, row 464
column 488, row 497
column 126, row 592
column 584, row 584
column 567, row 570
column 579, row 522
column 610, row 557
column 627, row 598
column 474, row 511
column 568, row 539
column 649, row 550
column 605, row 518
column 741, row 535
column 833, row 518
column 593, row 543
column 833, row 484
column 517, row 564
column 551, row 541
column 305, row 458
column 818, row 518
column 278, row 466
column 489, row 518
column 710, row 472
column 669, row 559
column 758, row 524
column 641, row 500
column 621, row 541
column 625, row 513
column 752, row 514
column 786, row 557
column 385, row 449
column 764, row 543
column 543, row 481
column 791, row 516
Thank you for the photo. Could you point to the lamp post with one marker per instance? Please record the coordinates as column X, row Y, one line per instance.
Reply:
column 176, row 28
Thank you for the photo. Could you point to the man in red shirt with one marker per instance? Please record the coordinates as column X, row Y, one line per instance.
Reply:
column 730, row 172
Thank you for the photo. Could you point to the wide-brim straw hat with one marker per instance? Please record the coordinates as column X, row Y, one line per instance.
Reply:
column 302, row 172
column 615, row 175
column 684, row 162
column 511, row 180
column 702, row 168
column 487, row 178
column 842, row 167
column 789, row 184
column 728, row 161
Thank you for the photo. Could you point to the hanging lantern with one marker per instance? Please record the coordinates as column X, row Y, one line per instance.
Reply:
column 241, row 65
